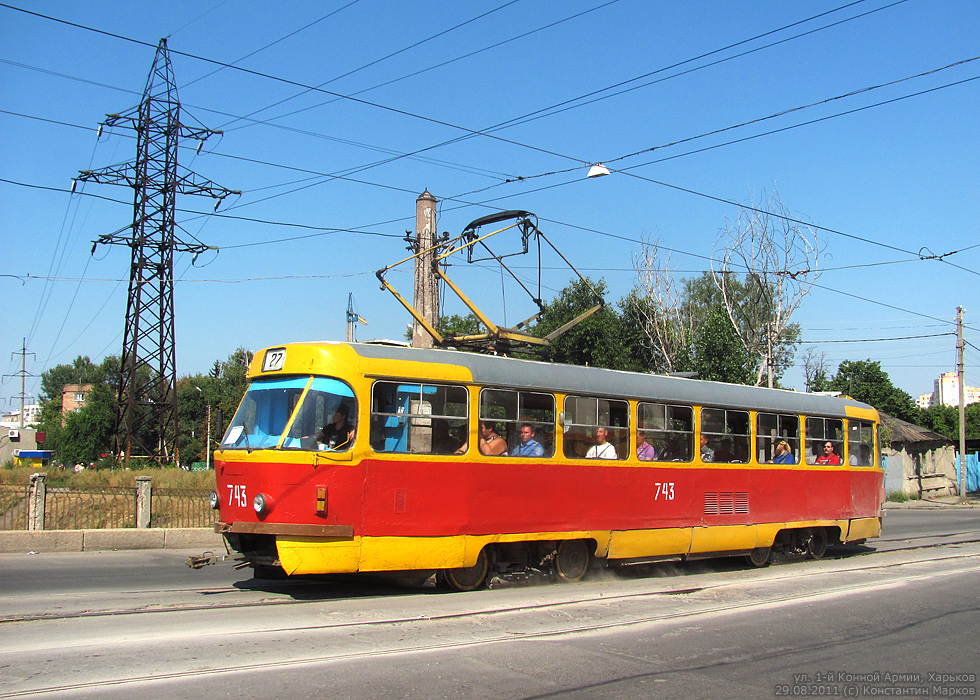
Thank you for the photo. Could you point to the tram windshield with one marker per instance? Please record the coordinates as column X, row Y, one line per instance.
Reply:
column 303, row 404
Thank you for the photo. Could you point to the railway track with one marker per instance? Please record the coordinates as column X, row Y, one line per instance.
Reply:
column 279, row 635
column 315, row 590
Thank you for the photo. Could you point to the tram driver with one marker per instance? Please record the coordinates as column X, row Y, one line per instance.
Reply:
column 339, row 432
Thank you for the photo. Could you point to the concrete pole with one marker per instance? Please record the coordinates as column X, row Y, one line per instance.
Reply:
column 35, row 502
column 144, row 495
column 207, row 452
column 426, row 286
column 962, row 381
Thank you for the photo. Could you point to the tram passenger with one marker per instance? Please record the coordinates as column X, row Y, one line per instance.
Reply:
column 865, row 457
column 529, row 446
column 443, row 442
column 828, row 456
column 645, row 452
column 707, row 454
column 339, row 432
column 724, row 452
column 784, row 453
column 491, row 444
column 602, row 449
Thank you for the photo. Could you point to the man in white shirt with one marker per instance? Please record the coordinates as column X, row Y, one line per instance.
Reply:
column 602, row 449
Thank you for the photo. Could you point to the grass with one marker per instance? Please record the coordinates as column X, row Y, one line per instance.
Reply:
column 97, row 478
column 899, row 497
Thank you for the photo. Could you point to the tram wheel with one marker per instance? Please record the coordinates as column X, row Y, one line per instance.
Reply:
column 759, row 557
column 571, row 560
column 466, row 578
column 816, row 545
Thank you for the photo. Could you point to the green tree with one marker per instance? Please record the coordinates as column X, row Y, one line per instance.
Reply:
column 718, row 353
column 598, row 341
column 864, row 380
column 194, row 394
column 945, row 420
column 81, row 371
column 88, row 434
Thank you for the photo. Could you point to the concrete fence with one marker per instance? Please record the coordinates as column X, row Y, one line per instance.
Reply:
column 41, row 506
column 44, row 518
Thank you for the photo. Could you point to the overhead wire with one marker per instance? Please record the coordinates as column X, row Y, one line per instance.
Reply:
column 714, row 198
column 272, row 43
column 383, row 58
column 450, row 61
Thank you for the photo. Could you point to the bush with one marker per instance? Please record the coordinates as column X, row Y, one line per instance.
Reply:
column 899, row 497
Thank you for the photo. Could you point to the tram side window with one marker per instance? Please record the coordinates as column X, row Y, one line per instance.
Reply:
column 506, row 411
column 773, row 428
column 860, row 443
column 821, row 433
column 418, row 418
column 585, row 416
column 327, row 418
column 669, row 429
column 727, row 432
column 263, row 413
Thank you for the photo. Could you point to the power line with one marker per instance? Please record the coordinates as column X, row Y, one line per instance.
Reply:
column 384, row 58
column 272, row 43
column 295, row 83
column 450, row 61
column 538, row 114
column 874, row 340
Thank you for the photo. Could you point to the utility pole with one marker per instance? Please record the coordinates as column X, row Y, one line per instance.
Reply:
column 426, row 284
column 146, row 421
column 23, row 376
column 961, row 375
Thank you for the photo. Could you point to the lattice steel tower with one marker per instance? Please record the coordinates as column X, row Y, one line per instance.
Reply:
column 146, row 423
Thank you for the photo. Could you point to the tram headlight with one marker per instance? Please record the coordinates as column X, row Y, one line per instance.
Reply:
column 262, row 504
column 214, row 500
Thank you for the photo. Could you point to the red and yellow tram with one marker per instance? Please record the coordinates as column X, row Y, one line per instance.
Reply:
column 346, row 458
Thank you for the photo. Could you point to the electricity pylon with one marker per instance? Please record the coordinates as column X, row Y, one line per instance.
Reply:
column 146, row 421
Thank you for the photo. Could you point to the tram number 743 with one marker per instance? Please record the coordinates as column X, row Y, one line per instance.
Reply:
column 664, row 492
column 236, row 496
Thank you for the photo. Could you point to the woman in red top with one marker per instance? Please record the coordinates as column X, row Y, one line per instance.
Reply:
column 828, row 456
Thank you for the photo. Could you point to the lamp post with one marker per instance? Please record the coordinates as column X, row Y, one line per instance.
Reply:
column 207, row 449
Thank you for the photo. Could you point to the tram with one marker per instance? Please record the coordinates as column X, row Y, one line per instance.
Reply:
column 355, row 457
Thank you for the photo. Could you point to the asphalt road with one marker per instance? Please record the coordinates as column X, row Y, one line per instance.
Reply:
column 900, row 613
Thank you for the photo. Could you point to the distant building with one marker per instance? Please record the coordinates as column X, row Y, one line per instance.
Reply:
column 946, row 392
column 32, row 415
column 73, row 397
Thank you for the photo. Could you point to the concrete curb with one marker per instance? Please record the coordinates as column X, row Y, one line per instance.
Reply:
column 917, row 504
column 22, row 541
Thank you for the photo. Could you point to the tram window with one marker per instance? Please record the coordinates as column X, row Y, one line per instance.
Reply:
column 418, row 418
column 670, row 429
column 263, row 413
column 314, row 421
column 506, row 410
column 821, row 432
column 860, row 443
column 727, row 432
column 584, row 415
column 770, row 429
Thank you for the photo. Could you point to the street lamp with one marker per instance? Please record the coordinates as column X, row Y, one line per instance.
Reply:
column 207, row 450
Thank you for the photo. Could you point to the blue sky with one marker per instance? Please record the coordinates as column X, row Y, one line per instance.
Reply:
column 894, row 168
